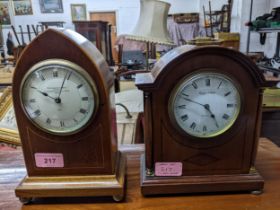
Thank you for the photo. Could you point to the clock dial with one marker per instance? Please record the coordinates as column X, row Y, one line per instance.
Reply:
column 205, row 105
column 58, row 97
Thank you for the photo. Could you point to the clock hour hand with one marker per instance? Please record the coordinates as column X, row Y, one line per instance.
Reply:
column 43, row 93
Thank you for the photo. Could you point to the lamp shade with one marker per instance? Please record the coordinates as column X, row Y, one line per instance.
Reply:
column 152, row 23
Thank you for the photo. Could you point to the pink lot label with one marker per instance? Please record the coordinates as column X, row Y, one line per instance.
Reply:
column 168, row 169
column 49, row 160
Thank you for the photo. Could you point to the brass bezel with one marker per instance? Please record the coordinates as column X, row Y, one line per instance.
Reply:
column 181, row 85
column 75, row 68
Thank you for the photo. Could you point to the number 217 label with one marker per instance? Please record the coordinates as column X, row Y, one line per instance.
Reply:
column 168, row 169
column 49, row 160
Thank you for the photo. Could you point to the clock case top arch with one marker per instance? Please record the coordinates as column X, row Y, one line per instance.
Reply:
column 97, row 141
column 230, row 153
column 150, row 81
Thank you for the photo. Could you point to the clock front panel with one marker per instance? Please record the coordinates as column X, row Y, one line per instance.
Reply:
column 61, row 98
column 207, row 118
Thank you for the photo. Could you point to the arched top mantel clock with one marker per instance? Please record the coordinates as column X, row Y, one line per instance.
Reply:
column 202, row 118
column 64, row 105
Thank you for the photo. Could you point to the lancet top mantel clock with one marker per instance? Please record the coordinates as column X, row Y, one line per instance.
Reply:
column 202, row 118
column 63, row 100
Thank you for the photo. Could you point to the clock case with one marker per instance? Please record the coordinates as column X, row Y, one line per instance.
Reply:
column 92, row 164
column 221, row 163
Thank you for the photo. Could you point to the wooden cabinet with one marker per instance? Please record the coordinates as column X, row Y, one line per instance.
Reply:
column 99, row 33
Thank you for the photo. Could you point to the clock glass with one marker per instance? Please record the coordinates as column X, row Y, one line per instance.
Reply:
column 205, row 104
column 58, row 96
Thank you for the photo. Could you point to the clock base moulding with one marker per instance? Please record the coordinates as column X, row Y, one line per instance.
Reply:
column 75, row 186
column 155, row 185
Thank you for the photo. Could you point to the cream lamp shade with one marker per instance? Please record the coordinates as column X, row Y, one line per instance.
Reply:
column 152, row 23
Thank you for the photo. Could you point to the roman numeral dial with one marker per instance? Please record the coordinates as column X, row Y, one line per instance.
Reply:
column 205, row 105
column 59, row 96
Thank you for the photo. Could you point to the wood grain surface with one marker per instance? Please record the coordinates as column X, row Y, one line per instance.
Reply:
column 268, row 163
column 97, row 141
column 233, row 150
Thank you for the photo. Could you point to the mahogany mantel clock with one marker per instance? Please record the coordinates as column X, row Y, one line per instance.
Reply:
column 64, row 105
column 202, row 114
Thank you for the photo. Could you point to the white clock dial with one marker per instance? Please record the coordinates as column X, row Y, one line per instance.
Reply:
column 205, row 105
column 58, row 96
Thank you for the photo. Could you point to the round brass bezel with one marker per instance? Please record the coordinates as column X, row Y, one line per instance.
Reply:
column 74, row 67
column 187, row 79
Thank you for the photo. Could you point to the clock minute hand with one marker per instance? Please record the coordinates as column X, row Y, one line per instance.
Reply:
column 62, row 86
column 43, row 93
column 207, row 107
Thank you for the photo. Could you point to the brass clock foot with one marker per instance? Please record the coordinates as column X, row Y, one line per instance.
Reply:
column 118, row 198
column 256, row 192
column 149, row 172
column 25, row 200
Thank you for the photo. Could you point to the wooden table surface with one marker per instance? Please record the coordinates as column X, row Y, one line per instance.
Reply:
column 268, row 163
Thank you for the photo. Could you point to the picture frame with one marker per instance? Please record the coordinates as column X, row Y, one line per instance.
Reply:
column 51, row 6
column 22, row 7
column 4, row 13
column 78, row 12
column 8, row 126
column 6, row 75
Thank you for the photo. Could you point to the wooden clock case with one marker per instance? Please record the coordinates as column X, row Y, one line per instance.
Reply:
column 222, row 163
column 92, row 164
